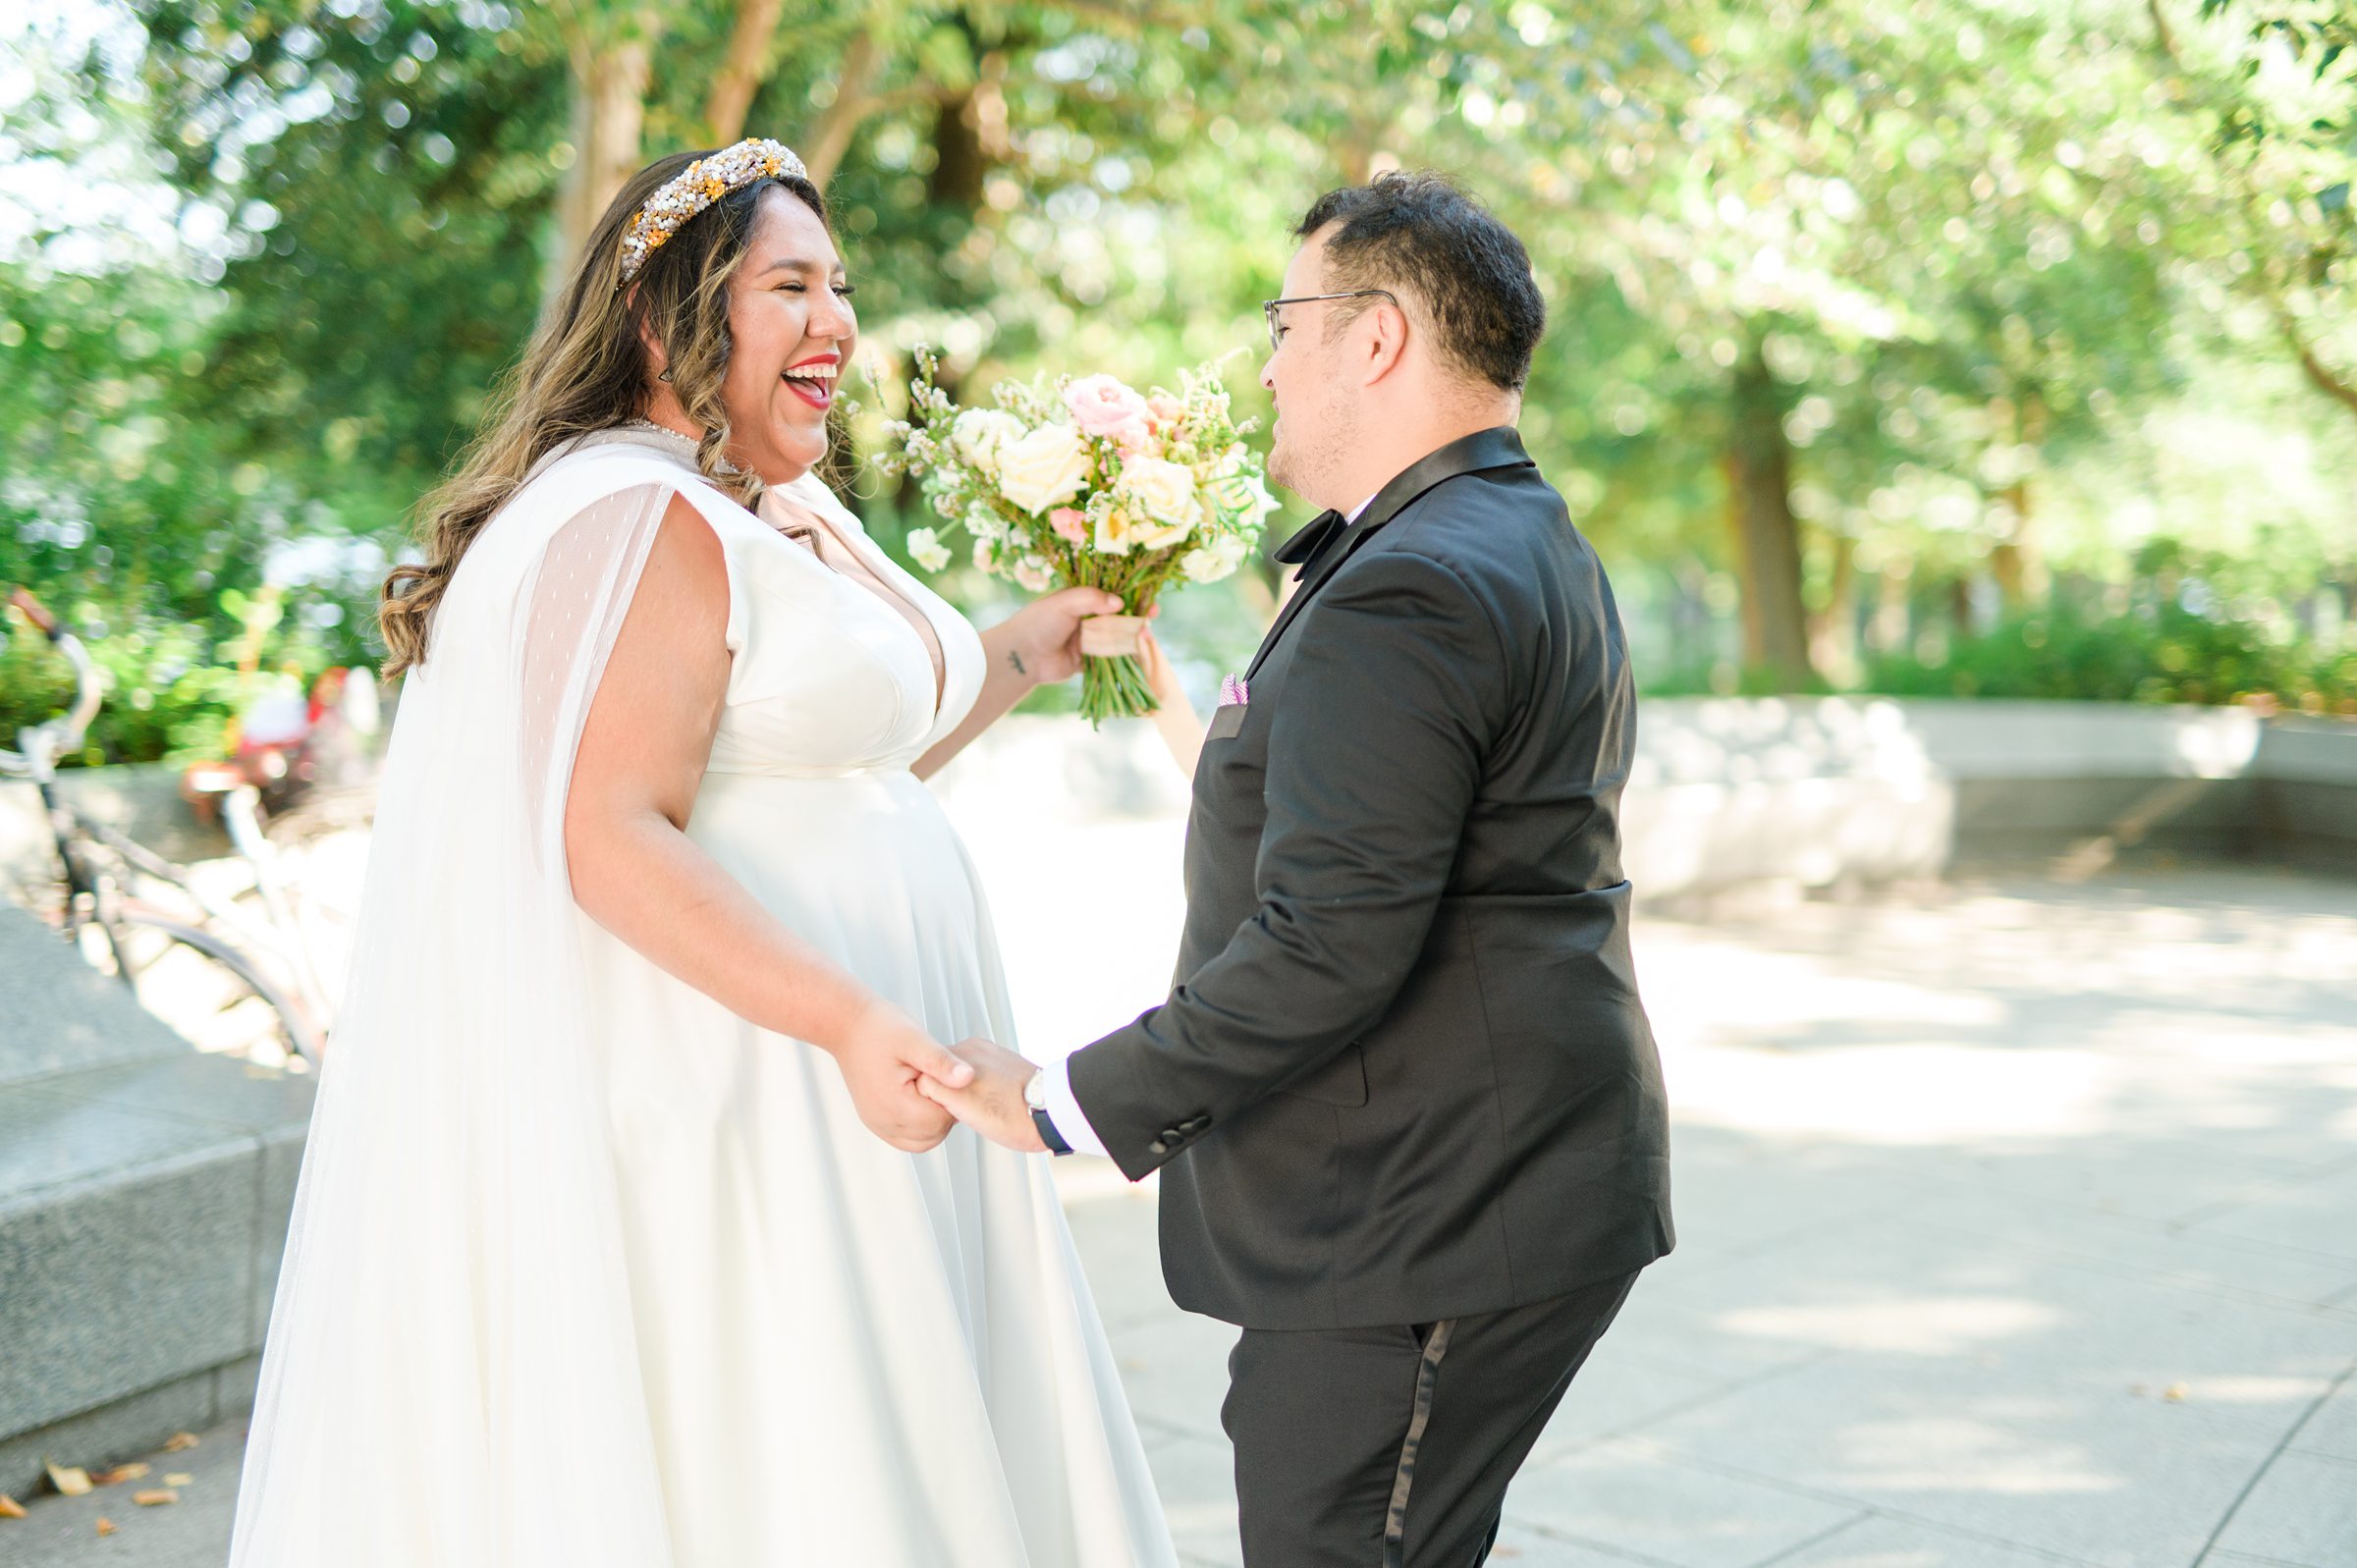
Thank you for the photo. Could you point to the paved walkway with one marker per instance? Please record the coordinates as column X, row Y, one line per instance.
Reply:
column 2018, row 1226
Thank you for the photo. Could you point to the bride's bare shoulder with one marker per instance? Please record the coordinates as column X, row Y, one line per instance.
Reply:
column 686, row 561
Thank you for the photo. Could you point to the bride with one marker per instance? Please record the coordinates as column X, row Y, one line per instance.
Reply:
column 624, row 1237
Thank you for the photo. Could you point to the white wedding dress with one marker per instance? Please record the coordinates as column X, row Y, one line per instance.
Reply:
column 608, row 1278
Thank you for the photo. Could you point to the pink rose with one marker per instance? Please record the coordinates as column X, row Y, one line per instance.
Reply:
column 1103, row 406
column 1164, row 409
column 1069, row 525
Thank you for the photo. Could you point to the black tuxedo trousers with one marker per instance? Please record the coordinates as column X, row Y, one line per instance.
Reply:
column 1390, row 1447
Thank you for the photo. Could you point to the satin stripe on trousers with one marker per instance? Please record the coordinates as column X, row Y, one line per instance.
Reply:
column 1392, row 1447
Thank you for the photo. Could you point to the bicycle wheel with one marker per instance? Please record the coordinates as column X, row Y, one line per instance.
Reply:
column 208, row 991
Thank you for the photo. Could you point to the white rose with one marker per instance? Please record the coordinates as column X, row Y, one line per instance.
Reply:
column 1116, row 532
column 1214, row 561
column 1159, row 490
column 926, row 549
column 978, row 434
column 1044, row 468
column 1163, row 535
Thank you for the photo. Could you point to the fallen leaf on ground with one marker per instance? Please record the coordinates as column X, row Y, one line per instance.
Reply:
column 181, row 1440
column 9, row 1509
column 106, row 1525
column 70, row 1481
column 117, row 1475
column 155, row 1498
column 178, row 1477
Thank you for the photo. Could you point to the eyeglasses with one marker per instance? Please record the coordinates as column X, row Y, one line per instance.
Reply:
column 1277, row 329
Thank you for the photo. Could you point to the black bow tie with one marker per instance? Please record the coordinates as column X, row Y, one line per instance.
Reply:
column 1304, row 548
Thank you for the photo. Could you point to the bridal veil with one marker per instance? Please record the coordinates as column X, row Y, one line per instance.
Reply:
column 451, row 1378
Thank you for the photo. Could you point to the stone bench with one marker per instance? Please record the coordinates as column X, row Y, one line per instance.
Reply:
column 144, row 1189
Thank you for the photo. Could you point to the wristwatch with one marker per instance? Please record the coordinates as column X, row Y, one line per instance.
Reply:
column 1035, row 1094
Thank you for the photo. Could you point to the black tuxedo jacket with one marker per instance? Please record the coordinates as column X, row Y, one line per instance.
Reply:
column 1404, row 1073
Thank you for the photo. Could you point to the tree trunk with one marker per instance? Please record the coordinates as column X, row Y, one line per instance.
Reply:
column 2013, row 561
column 1892, row 630
column 1834, row 629
column 609, row 110
column 1758, row 465
column 958, row 160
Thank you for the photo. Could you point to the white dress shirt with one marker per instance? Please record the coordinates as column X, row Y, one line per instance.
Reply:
column 1071, row 1122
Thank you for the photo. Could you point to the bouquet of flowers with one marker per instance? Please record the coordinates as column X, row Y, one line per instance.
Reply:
column 1088, row 483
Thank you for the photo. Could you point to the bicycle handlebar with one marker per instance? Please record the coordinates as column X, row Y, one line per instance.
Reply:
column 36, row 612
column 63, row 733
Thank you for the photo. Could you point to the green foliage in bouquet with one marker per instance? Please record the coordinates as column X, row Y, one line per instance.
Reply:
column 1086, row 483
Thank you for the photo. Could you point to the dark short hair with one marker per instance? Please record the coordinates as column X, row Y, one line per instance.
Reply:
column 1420, row 232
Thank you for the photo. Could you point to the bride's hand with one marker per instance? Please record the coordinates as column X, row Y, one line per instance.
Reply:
column 882, row 1058
column 1046, row 631
column 1160, row 678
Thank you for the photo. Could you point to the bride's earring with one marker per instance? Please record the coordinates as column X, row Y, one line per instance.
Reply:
column 665, row 376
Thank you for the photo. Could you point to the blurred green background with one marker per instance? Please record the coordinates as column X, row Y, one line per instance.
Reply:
column 1905, row 346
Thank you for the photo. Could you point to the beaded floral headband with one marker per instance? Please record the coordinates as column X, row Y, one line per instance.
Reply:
column 697, row 187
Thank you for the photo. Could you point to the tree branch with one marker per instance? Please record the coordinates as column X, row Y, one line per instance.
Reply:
column 743, row 68
column 2319, row 373
column 1137, row 18
column 830, row 135
column 2164, row 34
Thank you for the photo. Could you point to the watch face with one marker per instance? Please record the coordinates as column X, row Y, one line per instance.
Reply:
column 1035, row 1091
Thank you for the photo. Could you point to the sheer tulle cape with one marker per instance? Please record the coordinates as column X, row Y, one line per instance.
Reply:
column 451, row 1378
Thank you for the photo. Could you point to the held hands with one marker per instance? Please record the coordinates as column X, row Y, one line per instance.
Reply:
column 884, row 1059
column 991, row 1100
column 1047, row 631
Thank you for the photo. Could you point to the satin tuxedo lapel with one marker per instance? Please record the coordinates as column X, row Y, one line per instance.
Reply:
column 1483, row 449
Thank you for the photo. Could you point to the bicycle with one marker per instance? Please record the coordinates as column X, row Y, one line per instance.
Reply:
column 253, row 992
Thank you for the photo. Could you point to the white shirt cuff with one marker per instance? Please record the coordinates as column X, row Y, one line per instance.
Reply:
column 1064, row 1111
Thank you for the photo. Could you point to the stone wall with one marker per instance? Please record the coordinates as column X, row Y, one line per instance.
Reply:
column 1814, row 791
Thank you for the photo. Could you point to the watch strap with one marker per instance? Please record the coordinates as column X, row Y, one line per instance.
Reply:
column 1048, row 1133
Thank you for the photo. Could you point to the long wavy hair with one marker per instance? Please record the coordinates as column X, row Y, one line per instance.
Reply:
column 586, row 368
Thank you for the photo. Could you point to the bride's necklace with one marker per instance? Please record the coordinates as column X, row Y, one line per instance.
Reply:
column 686, row 446
column 802, row 532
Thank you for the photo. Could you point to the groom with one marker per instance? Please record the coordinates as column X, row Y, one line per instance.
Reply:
column 1404, row 1096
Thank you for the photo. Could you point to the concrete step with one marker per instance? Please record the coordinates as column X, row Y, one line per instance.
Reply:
column 144, row 1189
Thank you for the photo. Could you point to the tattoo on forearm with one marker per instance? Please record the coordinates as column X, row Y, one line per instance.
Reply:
column 1016, row 660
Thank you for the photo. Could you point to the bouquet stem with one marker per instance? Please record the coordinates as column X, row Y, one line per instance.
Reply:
column 1114, row 687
